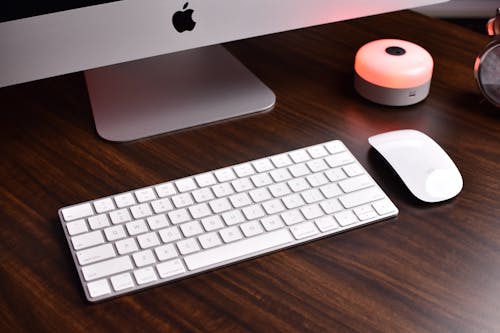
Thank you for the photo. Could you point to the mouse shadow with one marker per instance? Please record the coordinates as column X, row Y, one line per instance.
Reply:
column 390, row 181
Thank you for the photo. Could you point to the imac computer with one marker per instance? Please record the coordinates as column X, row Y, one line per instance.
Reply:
column 154, row 66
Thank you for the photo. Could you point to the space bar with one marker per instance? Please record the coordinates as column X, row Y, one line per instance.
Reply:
column 237, row 249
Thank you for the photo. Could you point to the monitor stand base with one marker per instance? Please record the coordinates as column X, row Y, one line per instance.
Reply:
column 171, row 92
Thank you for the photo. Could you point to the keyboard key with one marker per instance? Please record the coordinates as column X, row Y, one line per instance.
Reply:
column 209, row 240
column 148, row 240
column 330, row 190
column 222, row 190
column 120, row 216
column 185, row 185
column 356, row 183
column 326, row 223
column 77, row 212
column 317, row 179
column 244, row 170
column 161, row 205
column 233, row 217
column 279, row 190
column 317, row 165
column 238, row 249
column 144, row 258
column 240, row 200
column 157, row 222
column 260, row 194
column 361, row 197
column 170, row 234
column 331, row 206
column 317, row 151
column 87, row 240
column 293, row 201
column 212, row 223
column 241, row 185
column 124, row 200
column 253, row 212
column 165, row 252
column 205, row 179
column 145, row 194
column 126, row 246
column 203, row 195
column 170, row 268
column 114, row 233
column 272, row 222
column 299, row 156
column 299, row 170
column 273, row 206
column 251, row 228
column 94, row 254
column 98, row 288
column 313, row 195
column 188, row 246
column 292, row 217
column 98, row 221
column 353, row 170
column 263, row 165
column 182, row 200
column 106, row 268
column 365, row 212
column 335, row 147
column 104, row 205
column 262, row 179
column 191, row 229
column 145, row 275
column 281, row 160
column 312, row 211
column 335, row 175
column 136, row 227
column 165, row 190
column 122, row 281
column 345, row 218
column 220, row 205
column 384, row 207
column 179, row 216
column 298, row 184
column 224, row 175
column 303, row 230
column 230, row 234
column 199, row 211
column 339, row 159
column 280, row 175
column 77, row 227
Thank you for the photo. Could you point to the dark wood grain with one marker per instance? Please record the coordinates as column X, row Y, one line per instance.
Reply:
column 434, row 269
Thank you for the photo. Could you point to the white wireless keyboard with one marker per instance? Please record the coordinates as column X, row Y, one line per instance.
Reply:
column 138, row 239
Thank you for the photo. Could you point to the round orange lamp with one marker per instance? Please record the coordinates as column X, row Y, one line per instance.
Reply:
column 393, row 72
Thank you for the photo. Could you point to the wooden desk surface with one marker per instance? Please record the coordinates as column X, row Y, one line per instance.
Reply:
column 434, row 269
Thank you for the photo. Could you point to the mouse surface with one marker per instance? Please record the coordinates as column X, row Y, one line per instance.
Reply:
column 425, row 168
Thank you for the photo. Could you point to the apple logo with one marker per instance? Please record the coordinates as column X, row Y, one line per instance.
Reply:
column 183, row 20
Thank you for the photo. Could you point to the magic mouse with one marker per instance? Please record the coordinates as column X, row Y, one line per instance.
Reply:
column 425, row 168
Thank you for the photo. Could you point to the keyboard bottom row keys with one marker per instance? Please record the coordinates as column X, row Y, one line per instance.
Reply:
column 238, row 249
column 98, row 288
column 170, row 268
column 303, row 230
column 105, row 268
column 145, row 275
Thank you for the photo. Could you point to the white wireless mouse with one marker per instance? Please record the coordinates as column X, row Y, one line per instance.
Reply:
column 425, row 168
